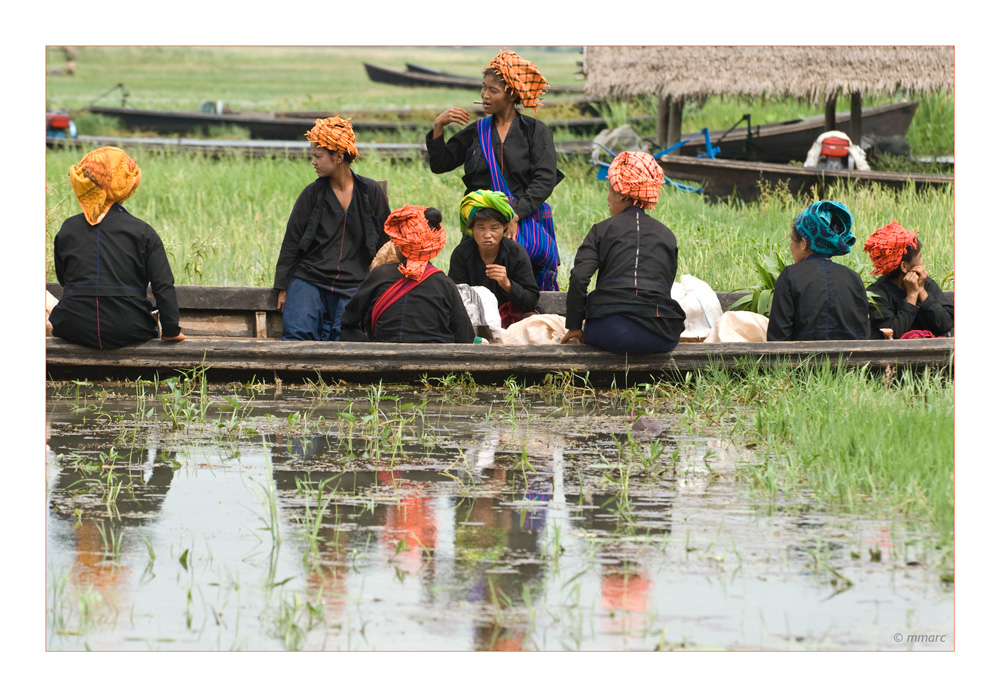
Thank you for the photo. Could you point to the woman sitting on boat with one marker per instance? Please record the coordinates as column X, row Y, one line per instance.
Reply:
column 334, row 231
column 635, row 257
column 906, row 300
column 815, row 298
column 486, row 258
column 507, row 152
column 105, row 258
column 409, row 302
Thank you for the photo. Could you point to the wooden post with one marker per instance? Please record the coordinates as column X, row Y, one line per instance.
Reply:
column 855, row 133
column 662, row 119
column 831, row 112
column 674, row 126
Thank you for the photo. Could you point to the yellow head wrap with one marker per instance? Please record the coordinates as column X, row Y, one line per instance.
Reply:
column 103, row 177
column 333, row 133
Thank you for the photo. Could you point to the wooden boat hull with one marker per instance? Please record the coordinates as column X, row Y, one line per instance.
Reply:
column 791, row 140
column 234, row 331
column 407, row 78
column 744, row 179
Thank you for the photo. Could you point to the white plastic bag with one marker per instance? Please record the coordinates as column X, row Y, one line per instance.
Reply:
column 738, row 325
column 535, row 330
column 700, row 304
column 483, row 309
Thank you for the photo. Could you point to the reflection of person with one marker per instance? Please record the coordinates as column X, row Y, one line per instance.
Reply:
column 816, row 299
column 410, row 302
column 105, row 258
column 906, row 299
column 635, row 257
column 486, row 258
column 334, row 231
column 504, row 151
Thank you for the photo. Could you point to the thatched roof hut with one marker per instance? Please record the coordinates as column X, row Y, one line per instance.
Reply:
column 813, row 73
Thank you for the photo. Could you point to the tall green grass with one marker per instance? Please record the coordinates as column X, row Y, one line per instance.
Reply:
column 222, row 220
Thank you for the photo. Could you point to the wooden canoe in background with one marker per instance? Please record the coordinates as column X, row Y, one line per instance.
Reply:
column 744, row 179
column 428, row 77
column 235, row 331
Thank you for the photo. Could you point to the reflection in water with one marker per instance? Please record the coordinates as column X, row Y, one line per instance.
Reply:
column 468, row 533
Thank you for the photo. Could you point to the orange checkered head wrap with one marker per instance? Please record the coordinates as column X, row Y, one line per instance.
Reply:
column 409, row 229
column 521, row 76
column 887, row 245
column 103, row 177
column 333, row 133
column 636, row 175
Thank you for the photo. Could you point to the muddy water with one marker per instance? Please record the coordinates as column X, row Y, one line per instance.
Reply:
column 473, row 522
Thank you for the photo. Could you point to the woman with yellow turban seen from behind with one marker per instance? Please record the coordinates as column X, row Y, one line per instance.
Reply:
column 105, row 259
column 507, row 152
column 635, row 258
column 333, row 233
column 486, row 258
column 413, row 301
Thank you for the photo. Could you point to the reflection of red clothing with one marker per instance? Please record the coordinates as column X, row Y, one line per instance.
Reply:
column 91, row 570
column 414, row 517
column 625, row 592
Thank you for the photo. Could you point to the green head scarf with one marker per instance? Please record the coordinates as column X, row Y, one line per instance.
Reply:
column 826, row 226
column 484, row 199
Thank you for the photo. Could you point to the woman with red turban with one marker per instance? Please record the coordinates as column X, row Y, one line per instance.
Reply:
column 509, row 153
column 412, row 302
column 906, row 300
column 105, row 259
column 635, row 257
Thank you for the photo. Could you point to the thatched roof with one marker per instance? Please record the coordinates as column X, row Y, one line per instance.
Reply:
column 804, row 72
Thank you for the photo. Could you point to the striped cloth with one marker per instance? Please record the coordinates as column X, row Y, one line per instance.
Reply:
column 636, row 175
column 521, row 76
column 408, row 229
column 482, row 198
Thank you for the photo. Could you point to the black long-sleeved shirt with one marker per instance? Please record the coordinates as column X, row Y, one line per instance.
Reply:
column 935, row 314
column 467, row 266
column 818, row 300
column 105, row 270
column 432, row 312
column 328, row 246
column 527, row 159
column 635, row 257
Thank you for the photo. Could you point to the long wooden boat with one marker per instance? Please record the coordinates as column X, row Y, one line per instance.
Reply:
column 223, row 148
column 408, row 78
column 743, row 179
column 791, row 140
column 235, row 333
column 267, row 127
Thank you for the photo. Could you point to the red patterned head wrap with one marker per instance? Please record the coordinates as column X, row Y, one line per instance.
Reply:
column 103, row 177
column 521, row 76
column 636, row 175
column 409, row 230
column 333, row 133
column 887, row 245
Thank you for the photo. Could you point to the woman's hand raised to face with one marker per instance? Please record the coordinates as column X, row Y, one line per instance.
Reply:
column 453, row 114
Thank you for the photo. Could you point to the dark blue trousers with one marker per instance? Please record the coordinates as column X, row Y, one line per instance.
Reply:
column 622, row 335
column 311, row 313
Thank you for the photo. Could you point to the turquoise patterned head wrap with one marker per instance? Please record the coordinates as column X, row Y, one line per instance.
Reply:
column 483, row 198
column 826, row 226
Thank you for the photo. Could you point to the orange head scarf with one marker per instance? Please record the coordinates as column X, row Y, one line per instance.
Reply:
column 333, row 133
column 636, row 175
column 103, row 177
column 409, row 230
column 887, row 245
column 521, row 76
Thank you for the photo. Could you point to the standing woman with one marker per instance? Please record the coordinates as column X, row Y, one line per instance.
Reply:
column 333, row 233
column 635, row 257
column 506, row 152
column 105, row 258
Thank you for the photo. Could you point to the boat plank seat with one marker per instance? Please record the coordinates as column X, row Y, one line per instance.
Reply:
column 230, row 312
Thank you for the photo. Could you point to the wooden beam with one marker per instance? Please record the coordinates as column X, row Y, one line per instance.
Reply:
column 831, row 112
column 662, row 119
column 674, row 126
column 855, row 133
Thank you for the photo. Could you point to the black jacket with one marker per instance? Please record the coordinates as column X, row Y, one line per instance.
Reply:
column 468, row 267
column 321, row 247
column 936, row 314
column 432, row 312
column 105, row 270
column 635, row 257
column 527, row 160
column 818, row 300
